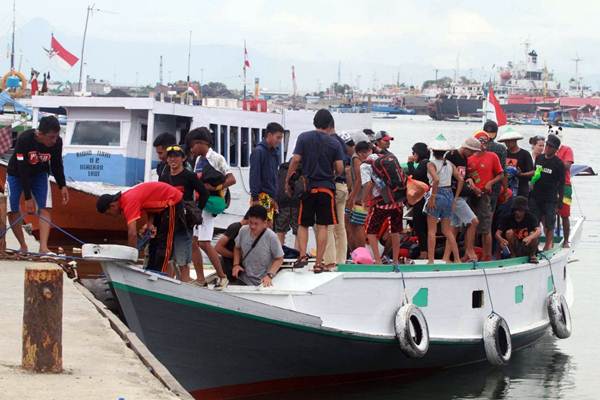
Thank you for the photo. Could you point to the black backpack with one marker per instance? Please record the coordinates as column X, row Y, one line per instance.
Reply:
column 388, row 169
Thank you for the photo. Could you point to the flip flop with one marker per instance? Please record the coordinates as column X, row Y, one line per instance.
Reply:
column 301, row 262
column 317, row 269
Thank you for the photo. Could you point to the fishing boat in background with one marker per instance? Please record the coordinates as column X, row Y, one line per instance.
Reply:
column 359, row 323
column 107, row 147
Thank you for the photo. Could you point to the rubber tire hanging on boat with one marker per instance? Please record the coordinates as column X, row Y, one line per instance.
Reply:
column 497, row 340
column 412, row 331
column 559, row 316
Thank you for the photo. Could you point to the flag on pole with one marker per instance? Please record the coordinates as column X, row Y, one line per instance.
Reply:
column 5, row 139
column 60, row 56
column 246, row 61
column 493, row 109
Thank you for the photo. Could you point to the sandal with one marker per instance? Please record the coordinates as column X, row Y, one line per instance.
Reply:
column 329, row 267
column 301, row 262
column 534, row 260
column 318, row 268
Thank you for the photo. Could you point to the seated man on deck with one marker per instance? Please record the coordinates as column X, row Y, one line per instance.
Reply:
column 226, row 244
column 153, row 198
column 519, row 231
column 257, row 255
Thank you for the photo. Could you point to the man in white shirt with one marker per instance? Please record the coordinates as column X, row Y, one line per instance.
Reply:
column 214, row 171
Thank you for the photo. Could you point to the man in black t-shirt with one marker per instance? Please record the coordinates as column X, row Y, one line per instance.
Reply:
column 520, row 231
column 226, row 244
column 38, row 153
column 547, row 193
column 519, row 165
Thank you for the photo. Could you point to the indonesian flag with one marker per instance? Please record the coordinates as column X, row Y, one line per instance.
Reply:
column 246, row 61
column 61, row 56
column 493, row 110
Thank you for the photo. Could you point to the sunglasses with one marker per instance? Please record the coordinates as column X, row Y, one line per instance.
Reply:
column 175, row 148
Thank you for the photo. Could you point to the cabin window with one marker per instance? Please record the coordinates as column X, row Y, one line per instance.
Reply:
column 214, row 130
column 255, row 137
column 144, row 132
column 519, row 294
column 97, row 133
column 245, row 148
column 233, row 146
column 477, row 299
column 224, row 141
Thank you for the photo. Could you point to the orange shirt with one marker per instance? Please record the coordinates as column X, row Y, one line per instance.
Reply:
column 151, row 197
column 483, row 167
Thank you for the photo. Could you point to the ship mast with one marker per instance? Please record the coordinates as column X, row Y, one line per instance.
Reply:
column 12, row 50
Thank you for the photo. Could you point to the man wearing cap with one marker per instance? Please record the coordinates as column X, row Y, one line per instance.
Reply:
column 151, row 198
column 322, row 159
column 565, row 153
column 519, row 165
column 463, row 215
column 382, row 141
column 491, row 128
column 264, row 161
column 184, row 180
column 547, row 193
column 519, row 231
column 484, row 170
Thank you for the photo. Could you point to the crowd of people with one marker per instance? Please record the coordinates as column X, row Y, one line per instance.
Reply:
column 487, row 198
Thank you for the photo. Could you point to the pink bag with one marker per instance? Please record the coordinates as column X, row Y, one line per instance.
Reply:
column 362, row 255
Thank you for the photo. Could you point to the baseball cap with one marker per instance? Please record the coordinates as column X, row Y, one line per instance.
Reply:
column 382, row 135
column 482, row 136
column 472, row 144
column 104, row 201
column 347, row 138
column 553, row 141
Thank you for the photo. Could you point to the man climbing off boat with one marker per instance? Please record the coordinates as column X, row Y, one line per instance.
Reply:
column 153, row 198
column 38, row 152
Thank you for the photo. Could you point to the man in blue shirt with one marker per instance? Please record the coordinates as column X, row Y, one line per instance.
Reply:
column 264, row 162
column 322, row 160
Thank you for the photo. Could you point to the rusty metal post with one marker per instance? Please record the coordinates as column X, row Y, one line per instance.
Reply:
column 3, row 221
column 42, row 318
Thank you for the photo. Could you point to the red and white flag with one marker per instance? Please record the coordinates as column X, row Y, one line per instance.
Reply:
column 61, row 56
column 246, row 61
column 493, row 109
column 5, row 139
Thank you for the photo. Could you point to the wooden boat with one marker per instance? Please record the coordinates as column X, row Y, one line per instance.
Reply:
column 361, row 322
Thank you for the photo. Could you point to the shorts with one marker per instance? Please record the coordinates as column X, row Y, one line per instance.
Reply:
column 318, row 207
column 182, row 247
column 380, row 219
column 286, row 218
column 40, row 191
column 204, row 232
column 267, row 202
column 358, row 215
column 565, row 210
column 462, row 215
column 545, row 211
column 443, row 204
column 483, row 210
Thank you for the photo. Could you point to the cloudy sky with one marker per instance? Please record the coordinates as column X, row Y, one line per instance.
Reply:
column 371, row 39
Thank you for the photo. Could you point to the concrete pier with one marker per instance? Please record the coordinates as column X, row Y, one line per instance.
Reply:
column 97, row 362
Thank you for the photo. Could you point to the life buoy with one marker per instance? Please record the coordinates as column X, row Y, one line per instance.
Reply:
column 21, row 90
column 496, row 340
column 559, row 316
column 412, row 331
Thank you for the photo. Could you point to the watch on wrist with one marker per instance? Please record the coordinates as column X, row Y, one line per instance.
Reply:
column 270, row 275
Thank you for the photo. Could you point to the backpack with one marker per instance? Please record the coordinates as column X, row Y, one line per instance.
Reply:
column 388, row 169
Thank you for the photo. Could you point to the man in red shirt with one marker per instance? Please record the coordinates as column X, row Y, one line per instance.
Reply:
column 565, row 153
column 483, row 171
column 152, row 198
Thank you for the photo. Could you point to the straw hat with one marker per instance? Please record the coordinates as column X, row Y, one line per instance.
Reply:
column 440, row 144
column 509, row 134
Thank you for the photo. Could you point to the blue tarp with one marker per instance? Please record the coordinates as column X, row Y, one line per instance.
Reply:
column 6, row 99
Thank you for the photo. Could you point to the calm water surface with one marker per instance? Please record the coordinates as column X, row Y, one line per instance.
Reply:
column 553, row 368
